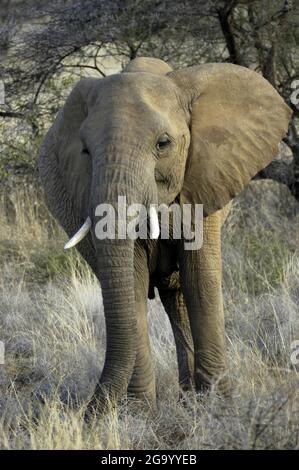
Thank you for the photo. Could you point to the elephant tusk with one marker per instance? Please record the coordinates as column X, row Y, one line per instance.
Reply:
column 154, row 223
column 79, row 235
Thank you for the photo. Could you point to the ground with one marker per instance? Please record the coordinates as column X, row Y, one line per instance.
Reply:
column 51, row 321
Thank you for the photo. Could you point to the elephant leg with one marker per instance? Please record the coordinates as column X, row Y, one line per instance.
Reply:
column 201, row 278
column 175, row 307
column 142, row 384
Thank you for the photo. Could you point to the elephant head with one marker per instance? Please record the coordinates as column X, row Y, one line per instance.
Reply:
column 152, row 134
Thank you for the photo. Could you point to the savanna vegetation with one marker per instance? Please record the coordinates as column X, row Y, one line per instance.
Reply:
column 51, row 314
column 52, row 323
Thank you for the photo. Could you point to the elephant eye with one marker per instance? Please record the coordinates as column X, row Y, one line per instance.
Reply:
column 163, row 142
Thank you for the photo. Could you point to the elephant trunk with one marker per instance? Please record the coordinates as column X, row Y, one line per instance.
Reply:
column 115, row 272
column 115, row 259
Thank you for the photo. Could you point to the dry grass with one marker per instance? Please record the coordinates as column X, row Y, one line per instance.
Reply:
column 51, row 321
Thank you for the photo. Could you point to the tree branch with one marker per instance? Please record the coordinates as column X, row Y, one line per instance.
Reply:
column 11, row 114
column 84, row 66
column 225, row 20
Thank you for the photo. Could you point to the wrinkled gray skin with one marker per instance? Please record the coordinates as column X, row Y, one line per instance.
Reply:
column 224, row 123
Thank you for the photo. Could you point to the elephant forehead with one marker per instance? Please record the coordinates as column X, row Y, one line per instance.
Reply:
column 141, row 101
column 140, row 89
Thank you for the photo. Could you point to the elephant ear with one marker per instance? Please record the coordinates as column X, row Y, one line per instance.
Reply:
column 149, row 65
column 64, row 169
column 237, row 121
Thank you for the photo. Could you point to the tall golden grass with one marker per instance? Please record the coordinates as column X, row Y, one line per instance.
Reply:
column 52, row 324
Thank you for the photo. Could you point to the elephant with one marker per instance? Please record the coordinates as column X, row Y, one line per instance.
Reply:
column 195, row 135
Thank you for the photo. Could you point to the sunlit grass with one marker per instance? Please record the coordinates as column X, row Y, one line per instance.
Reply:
column 51, row 320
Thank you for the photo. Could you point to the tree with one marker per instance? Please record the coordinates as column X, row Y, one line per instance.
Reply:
column 54, row 43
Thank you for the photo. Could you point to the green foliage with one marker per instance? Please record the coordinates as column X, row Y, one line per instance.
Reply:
column 260, row 239
column 39, row 264
column 258, row 262
column 31, row 241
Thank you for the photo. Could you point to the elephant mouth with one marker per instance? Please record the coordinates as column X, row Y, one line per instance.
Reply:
column 160, row 178
column 168, row 187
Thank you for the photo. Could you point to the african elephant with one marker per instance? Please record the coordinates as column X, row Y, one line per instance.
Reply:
column 195, row 135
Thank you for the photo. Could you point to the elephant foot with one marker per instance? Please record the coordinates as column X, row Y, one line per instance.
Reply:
column 186, row 387
column 205, row 382
column 187, row 384
column 101, row 402
column 145, row 401
column 92, row 411
column 96, row 409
